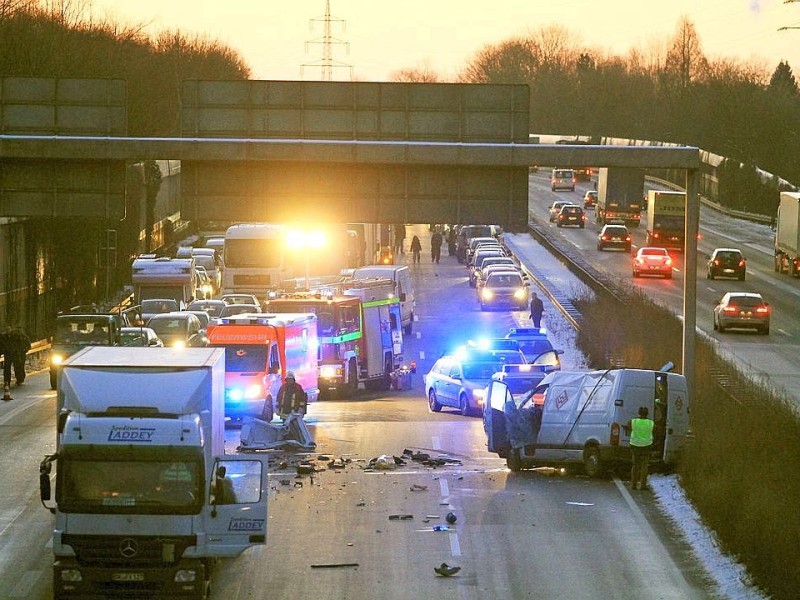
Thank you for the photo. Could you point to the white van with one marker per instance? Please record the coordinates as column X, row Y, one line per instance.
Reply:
column 584, row 417
column 404, row 288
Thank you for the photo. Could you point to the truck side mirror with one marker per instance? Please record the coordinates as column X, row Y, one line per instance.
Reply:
column 44, row 487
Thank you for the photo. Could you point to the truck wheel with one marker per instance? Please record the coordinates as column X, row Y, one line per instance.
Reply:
column 53, row 380
column 514, row 461
column 352, row 378
column 592, row 463
column 433, row 402
column 267, row 412
column 385, row 383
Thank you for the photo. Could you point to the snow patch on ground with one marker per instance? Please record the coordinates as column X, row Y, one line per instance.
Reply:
column 731, row 578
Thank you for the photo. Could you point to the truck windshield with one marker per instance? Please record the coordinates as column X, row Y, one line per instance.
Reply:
column 131, row 487
column 253, row 253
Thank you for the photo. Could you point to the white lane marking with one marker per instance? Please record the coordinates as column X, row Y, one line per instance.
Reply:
column 25, row 584
column 455, row 547
column 436, row 443
column 445, row 489
column 421, row 355
column 25, row 404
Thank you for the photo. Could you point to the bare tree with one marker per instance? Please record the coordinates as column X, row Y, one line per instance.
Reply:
column 423, row 73
column 685, row 59
column 9, row 7
column 558, row 48
column 511, row 61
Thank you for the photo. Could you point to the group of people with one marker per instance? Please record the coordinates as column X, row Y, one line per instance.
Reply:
column 437, row 240
column 14, row 346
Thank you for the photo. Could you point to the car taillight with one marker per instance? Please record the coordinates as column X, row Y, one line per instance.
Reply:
column 762, row 310
column 639, row 260
column 742, row 263
column 614, row 434
column 668, row 261
column 730, row 309
column 606, row 237
column 716, row 261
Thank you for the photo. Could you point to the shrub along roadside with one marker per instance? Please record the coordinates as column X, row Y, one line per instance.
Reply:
column 740, row 466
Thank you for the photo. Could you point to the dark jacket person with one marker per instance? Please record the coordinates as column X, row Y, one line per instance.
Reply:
column 291, row 397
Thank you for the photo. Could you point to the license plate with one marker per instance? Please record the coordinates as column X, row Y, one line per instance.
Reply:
column 127, row 577
column 727, row 270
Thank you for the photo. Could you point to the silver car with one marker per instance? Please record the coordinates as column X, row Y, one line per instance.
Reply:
column 742, row 310
column 459, row 379
column 504, row 288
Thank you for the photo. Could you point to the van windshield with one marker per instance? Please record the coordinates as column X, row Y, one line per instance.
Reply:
column 242, row 359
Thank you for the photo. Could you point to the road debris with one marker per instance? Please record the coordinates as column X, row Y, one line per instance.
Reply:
column 446, row 570
column 334, row 566
column 400, row 517
column 451, row 518
column 416, row 487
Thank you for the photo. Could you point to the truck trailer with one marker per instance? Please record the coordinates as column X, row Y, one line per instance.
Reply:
column 145, row 497
column 619, row 195
column 156, row 277
column 787, row 234
column 666, row 219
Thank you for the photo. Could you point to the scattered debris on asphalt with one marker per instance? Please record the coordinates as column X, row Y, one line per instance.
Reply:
column 400, row 517
column 334, row 566
column 446, row 570
column 416, row 487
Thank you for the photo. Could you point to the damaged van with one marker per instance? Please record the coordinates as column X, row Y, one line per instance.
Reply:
column 584, row 417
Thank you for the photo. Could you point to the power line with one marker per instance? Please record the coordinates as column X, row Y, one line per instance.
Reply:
column 327, row 64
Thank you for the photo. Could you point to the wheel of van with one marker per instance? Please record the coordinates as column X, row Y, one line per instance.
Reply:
column 267, row 412
column 513, row 460
column 463, row 405
column 714, row 323
column 53, row 380
column 433, row 402
column 592, row 463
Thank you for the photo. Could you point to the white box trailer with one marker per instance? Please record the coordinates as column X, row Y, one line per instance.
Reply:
column 144, row 493
column 584, row 417
column 787, row 234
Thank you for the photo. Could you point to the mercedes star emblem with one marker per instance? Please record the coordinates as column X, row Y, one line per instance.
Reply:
column 128, row 548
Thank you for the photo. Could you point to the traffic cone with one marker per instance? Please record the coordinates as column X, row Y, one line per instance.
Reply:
column 7, row 393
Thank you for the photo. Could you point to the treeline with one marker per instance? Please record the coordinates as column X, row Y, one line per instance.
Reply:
column 62, row 38
column 670, row 91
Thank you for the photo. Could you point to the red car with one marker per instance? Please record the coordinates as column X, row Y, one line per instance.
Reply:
column 652, row 261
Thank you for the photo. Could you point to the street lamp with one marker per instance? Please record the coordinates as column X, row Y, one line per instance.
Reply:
column 306, row 241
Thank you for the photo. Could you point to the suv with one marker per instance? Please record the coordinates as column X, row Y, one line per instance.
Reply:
column 562, row 179
column 571, row 215
column 742, row 310
column 614, row 236
column 727, row 262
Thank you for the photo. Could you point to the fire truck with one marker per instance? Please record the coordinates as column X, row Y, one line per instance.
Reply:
column 359, row 332
column 259, row 350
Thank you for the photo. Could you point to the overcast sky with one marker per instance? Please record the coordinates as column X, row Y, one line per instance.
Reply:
column 384, row 36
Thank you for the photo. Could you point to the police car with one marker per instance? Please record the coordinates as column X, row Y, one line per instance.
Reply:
column 532, row 341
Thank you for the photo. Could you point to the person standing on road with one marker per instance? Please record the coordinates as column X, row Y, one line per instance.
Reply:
column 18, row 345
column 5, row 354
column 416, row 248
column 451, row 241
column 399, row 238
column 641, row 443
column 537, row 308
column 291, row 397
column 436, row 245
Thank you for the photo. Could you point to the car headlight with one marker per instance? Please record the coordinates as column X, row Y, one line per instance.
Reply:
column 329, row 371
column 478, row 396
column 254, row 391
column 179, row 344
column 56, row 359
column 519, row 294
column 487, row 294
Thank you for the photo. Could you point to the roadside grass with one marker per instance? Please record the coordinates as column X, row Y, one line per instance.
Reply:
column 741, row 465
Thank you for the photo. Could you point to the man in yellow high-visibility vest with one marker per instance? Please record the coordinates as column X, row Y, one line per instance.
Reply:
column 641, row 443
